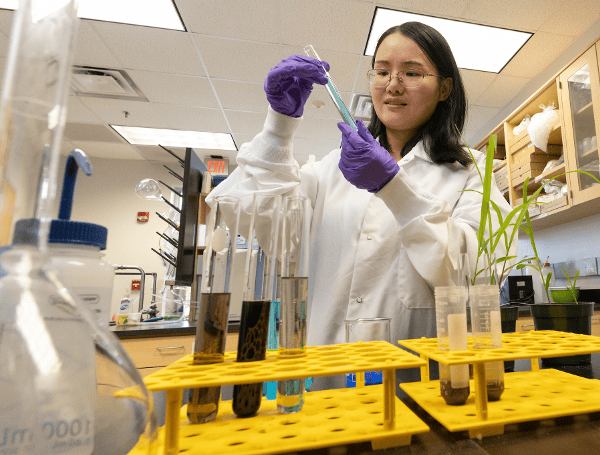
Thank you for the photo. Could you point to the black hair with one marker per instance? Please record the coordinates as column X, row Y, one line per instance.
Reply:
column 441, row 134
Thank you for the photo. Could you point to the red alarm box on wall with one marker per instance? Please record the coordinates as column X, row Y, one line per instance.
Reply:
column 143, row 217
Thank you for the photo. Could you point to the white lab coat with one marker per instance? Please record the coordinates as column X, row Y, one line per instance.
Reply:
column 371, row 255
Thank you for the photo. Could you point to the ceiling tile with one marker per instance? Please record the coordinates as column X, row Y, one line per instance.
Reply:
column 476, row 82
column 66, row 147
column 156, row 115
column 336, row 25
column 6, row 20
column 79, row 112
column 3, row 45
column 232, row 18
column 328, row 110
column 342, row 66
column 108, row 150
column 478, row 116
column 237, row 60
column 501, row 91
column 156, row 153
column 246, row 122
column 470, row 137
column 541, row 50
column 241, row 96
column 319, row 128
column 175, row 89
column 513, row 14
column 572, row 17
column 90, row 50
column 317, row 147
column 241, row 139
column 90, row 132
column 150, row 49
column 362, row 82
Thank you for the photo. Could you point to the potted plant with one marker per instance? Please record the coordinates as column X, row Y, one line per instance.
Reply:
column 566, row 314
column 489, row 238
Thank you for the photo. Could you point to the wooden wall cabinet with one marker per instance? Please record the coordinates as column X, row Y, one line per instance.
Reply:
column 580, row 92
column 150, row 354
column 575, row 91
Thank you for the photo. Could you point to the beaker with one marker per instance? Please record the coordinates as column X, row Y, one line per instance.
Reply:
column 261, row 260
column 213, row 309
column 451, row 321
column 294, row 294
column 486, row 323
column 366, row 329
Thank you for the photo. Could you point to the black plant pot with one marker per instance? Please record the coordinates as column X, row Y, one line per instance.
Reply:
column 564, row 317
column 509, row 315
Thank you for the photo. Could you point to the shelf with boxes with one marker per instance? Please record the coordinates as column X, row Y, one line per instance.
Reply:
column 575, row 92
column 331, row 417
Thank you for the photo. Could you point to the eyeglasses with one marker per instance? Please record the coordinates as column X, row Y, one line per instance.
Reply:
column 410, row 78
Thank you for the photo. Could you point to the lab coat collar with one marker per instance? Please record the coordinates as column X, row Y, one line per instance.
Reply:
column 419, row 152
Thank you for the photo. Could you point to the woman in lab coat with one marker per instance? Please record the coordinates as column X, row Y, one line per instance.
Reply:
column 390, row 211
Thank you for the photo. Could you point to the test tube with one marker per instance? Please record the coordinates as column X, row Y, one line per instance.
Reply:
column 487, row 333
column 486, row 323
column 294, row 294
column 261, row 260
column 333, row 91
column 270, row 388
column 451, row 318
column 213, row 309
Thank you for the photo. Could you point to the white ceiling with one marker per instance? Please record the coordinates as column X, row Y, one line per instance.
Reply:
column 210, row 78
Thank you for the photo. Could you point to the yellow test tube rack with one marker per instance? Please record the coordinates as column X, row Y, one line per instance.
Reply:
column 328, row 418
column 532, row 395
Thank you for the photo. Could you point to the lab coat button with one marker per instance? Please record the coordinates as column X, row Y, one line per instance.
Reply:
column 369, row 237
column 359, row 299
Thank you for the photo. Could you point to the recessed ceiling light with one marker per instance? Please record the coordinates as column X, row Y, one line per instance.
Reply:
column 151, row 13
column 175, row 138
column 475, row 47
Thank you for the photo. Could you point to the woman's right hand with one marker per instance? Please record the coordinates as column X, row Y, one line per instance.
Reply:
column 289, row 83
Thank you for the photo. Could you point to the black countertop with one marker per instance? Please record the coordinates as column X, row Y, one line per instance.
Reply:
column 161, row 328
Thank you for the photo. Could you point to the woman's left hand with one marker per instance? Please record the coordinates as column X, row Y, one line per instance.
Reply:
column 364, row 162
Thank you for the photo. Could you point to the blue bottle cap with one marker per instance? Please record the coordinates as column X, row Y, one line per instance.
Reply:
column 62, row 231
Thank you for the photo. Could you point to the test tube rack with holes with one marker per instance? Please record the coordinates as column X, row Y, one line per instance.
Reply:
column 328, row 418
column 530, row 395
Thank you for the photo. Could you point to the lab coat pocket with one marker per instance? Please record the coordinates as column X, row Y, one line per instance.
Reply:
column 413, row 290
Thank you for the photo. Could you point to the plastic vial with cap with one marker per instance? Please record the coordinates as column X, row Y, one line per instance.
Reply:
column 487, row 333
column 451, row 318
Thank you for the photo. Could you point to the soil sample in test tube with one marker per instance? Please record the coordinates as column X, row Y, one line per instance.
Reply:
column 451, row 318
column 252, row 346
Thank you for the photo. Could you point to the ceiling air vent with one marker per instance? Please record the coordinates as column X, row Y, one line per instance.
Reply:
column 104, row 83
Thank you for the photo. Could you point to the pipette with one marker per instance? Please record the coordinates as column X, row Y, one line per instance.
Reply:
column 333, row 91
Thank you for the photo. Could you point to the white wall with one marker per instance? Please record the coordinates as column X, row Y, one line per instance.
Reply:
column 578, row 239
column 108, row 198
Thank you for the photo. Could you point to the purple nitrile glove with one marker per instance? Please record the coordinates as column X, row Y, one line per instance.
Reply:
column 364, row 162
column 289, row 83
